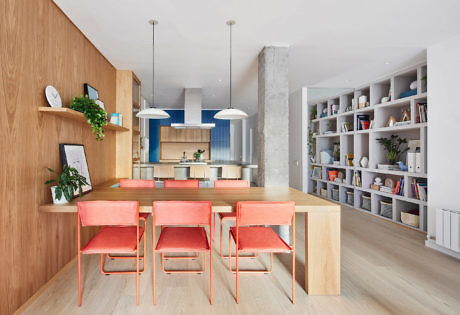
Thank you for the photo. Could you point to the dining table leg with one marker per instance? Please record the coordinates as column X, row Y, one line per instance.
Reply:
column 322, row 253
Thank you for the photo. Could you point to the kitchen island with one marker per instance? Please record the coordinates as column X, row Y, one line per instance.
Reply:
column 182, row 170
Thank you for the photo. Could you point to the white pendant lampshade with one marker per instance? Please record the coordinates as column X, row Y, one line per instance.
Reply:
column 230, row 113
column 153, row 112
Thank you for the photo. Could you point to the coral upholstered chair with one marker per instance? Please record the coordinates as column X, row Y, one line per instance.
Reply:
column 181, row 183
column 174, row 238
column 119, row 233
column 251, row 238
column 229, row 216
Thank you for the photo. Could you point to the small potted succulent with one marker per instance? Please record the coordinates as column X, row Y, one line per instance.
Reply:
column 393, row 147
column 68, row 182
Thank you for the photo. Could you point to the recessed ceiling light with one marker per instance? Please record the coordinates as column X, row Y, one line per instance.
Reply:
column 387, row 62
column 220, row 80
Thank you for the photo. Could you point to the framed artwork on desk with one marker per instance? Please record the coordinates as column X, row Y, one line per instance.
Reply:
column 73, row 155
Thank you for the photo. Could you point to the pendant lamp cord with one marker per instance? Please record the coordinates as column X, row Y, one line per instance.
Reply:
column 153, row 67
column 230, row 66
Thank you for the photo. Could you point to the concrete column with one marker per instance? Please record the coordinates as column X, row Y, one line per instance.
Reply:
column 273, row 166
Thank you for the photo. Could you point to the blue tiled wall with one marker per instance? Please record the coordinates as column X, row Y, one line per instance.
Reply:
column 220, row 135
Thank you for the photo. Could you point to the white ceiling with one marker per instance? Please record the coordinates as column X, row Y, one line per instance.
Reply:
column 334, row 43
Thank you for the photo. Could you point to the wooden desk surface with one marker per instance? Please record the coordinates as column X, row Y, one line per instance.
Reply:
column 223, row 200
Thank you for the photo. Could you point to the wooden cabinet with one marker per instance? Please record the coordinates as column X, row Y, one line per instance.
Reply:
column 174, row 142
column 171, row 134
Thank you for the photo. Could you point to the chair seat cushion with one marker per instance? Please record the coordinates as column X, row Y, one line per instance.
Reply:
column 259, row 239
column 227, row 216
column 113, row 239
column 182, row 239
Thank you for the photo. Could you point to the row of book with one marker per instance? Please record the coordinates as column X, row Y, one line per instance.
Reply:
column 419, row 190
column 357, row 179
column 420, row 109
column 362, row 122
column 399, row 190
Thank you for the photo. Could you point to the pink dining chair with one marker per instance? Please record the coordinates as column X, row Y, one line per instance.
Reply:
column 181, row 183
column 175, row 238
column 136, row 183
column 229, row 216
column 252, row 235
column 119, row 233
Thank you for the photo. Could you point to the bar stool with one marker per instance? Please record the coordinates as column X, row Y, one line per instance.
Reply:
column 200, row 172
column 174, row 238
column 231, row 172
column 250, row 237
column 119, row 233
column 162, row 172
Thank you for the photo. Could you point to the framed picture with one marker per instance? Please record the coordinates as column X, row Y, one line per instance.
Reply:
column 73, row 155
column 90, row 91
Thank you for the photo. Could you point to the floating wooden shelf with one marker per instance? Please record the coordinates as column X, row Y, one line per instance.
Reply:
column 73, row 114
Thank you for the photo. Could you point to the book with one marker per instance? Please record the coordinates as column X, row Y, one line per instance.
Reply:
column 359, row 122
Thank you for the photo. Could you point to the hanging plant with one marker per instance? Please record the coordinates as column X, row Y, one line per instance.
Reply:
column 97, row 117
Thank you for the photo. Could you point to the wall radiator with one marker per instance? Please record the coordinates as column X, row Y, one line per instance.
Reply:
column 448, row 229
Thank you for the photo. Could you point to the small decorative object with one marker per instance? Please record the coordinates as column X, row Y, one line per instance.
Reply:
column 316, row 172
column 325, row 157
column 68, row 183
column 393, row 147
column 389, row 182
column 336, row 152
column 91, row 92
column 332, row 175
column 375, row 187
column 405, row 115
column 97, row 117
column 391, row 121
column 335, row 109
column 362, row 101
column 402, row 167
column 364, row 162
column 350, row 159
column 53, row 97
column 384, row 99
column 74, row 156
column 198, row 155
column 116, row 118
column 378, row 181
column 413, row 85
column 349, row 108
column 100, row 103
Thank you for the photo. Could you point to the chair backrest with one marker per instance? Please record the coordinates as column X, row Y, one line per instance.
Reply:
column 182, row 212
column 163, row 171
column 137, row 183
column 181, row 183
column 99, row 213
column 231, row 183
column 200, row 171
column 231, row 171
column 265, row 212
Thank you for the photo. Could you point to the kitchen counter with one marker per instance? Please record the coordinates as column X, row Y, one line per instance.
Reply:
column 216, row 164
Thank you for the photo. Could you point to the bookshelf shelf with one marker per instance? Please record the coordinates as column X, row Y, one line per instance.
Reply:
column 363, row 143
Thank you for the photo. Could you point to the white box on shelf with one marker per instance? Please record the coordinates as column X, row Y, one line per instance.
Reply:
column 418, row 162
column 411, row 161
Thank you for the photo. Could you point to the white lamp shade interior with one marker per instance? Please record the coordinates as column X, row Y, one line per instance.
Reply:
column 230, row 114
column 152, row 113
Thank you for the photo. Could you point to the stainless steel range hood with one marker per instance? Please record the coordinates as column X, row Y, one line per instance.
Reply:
column 192, row 108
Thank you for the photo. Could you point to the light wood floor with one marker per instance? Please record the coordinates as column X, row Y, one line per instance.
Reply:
column 385, row 269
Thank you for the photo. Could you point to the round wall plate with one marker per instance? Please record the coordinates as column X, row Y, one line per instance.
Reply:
column 53, row 97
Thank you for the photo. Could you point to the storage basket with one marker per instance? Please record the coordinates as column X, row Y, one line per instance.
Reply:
column 324, row 192
column 411, row 218
column 366, row 202
column 335, row 194
column 350, row 198
column 386, row 209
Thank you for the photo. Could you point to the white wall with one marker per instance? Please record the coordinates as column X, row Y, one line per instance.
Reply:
column 235, row 140
column 298, row 129
column 443, row 128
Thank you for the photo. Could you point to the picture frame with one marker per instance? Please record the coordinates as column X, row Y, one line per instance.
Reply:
column 73, row 155
column 90, row 91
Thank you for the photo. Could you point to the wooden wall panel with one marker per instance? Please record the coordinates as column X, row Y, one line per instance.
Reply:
column 40, row 46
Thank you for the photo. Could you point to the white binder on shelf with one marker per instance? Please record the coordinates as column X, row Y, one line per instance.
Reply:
column 418, row 162
column 411, row 162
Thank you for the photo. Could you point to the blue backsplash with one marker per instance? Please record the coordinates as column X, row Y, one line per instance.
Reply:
column 220, row 135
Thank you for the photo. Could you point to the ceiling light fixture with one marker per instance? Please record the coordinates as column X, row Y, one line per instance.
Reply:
column 153, row 112
column 387, row 62
column 230, row 113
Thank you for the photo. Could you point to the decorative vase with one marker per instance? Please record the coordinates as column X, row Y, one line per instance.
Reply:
column 364, row 162
column 60, row 201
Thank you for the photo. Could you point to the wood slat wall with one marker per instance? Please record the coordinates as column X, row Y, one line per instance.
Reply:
column 39, row 46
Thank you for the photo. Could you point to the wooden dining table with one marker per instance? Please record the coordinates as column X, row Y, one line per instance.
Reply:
column 322, row 220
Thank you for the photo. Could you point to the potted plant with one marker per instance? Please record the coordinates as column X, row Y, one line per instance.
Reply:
column 67, row 183
column 314, row 113
column 97, row 117
column 393, row 147
column 310, row 145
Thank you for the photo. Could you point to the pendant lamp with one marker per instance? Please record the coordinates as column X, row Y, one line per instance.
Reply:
column 153, row 112
column 230, row 113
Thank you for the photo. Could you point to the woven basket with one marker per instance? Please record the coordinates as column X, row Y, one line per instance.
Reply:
column 386, row 209
column 335, row 194
column 350, row 198
column 324, row 192
column 366, row 202
column 410, row 218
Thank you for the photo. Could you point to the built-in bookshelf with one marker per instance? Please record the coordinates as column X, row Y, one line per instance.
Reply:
column 338, row 124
